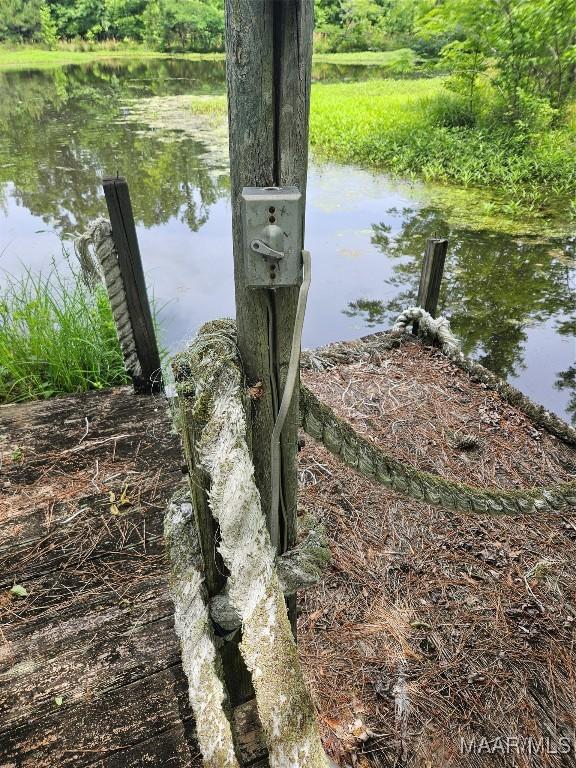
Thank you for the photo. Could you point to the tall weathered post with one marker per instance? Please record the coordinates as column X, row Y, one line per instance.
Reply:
column 132, row 273
column 269, row 55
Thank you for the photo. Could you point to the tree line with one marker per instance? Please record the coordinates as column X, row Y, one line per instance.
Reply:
column 163, row 25
column 523, row 50
column 341, row 25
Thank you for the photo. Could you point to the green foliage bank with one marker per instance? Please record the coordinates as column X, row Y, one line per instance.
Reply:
column 418, row 128
column 181, row 25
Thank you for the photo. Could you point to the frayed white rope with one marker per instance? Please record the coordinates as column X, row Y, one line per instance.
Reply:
column 104, row 267
column 286, row 712
column 210, row 372
column 194, row 629
column 436, row 329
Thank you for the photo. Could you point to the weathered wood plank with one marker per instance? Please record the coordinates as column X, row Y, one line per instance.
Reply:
column 68, row 434
column 130, row 263
column 249, row 730
column 431, row 275
column 294, row 25
column 170, row 749
column 214, row 571
column 58, row 622
column 121, row 718
column 96, row 627
column 121, row 651
column 252, row 126
column 92, row 534
column 109, row 441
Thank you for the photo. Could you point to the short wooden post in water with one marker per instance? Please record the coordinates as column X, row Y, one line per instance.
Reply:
column 431, row 276
column 268, row 64
column 130, row 264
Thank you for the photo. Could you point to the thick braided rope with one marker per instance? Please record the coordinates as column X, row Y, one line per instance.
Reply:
column 437, row 329
column 194, row 629
column 99, row 236
column 375, row 346
column 268, row 647
column 340, row 438
column 321, row 423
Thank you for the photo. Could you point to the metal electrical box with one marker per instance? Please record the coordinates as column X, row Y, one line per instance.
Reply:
column 272, row 230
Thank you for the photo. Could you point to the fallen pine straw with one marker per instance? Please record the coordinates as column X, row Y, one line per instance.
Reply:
column 431, row 627
column 428, row 626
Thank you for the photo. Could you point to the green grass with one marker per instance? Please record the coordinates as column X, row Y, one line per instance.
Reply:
column 402, row 58
column 412, row 129
column 34, row 57
column 56, row 337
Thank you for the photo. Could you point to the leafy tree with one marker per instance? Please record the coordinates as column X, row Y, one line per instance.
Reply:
column 153, row 19
column 126, row 18
column 527, row 48
column 48, row 27
column 194, row 24
column 19, row 19
column 80, row 18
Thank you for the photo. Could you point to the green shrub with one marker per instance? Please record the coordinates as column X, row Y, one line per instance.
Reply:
column 56, row 337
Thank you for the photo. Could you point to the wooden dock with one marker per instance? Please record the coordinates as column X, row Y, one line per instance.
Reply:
column 478, row 611
column 89, row 663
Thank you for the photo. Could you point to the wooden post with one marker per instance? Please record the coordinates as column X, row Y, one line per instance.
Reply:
column 268, row 64
column 130, row 264
column 431, row 276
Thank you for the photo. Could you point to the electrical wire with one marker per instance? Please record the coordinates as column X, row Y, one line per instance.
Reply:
column 291, row 378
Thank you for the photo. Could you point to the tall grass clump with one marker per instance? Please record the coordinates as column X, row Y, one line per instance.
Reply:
column 56, row 336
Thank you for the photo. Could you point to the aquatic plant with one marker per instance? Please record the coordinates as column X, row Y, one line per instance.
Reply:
column 419, row 129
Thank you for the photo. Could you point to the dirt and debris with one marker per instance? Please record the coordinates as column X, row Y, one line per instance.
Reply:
column 432, row 638
column 436, row 637
column 89, row 663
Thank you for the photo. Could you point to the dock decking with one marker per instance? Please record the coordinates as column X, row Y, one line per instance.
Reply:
column 89, row 662
column 471, row 618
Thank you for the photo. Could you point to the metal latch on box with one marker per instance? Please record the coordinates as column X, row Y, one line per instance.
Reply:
column 272, row 227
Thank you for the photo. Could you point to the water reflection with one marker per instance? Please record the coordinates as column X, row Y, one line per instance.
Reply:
column 510, row 299
column 495, row 287
column 61, row 132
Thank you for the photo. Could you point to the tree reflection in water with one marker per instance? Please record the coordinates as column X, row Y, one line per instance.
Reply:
column 495, row 286
column 61, row 130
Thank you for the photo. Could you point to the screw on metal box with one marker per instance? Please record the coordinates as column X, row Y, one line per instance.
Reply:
column 272, row 228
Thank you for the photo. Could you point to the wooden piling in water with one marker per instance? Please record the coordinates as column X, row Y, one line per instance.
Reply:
column 130, row 264
column 431, row 276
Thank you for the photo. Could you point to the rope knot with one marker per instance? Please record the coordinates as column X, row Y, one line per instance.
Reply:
column 436, row 329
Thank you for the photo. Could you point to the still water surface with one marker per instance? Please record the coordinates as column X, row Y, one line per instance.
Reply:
column 509, row 290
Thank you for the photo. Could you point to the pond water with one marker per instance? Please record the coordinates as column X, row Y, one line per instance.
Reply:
column 508, row 289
